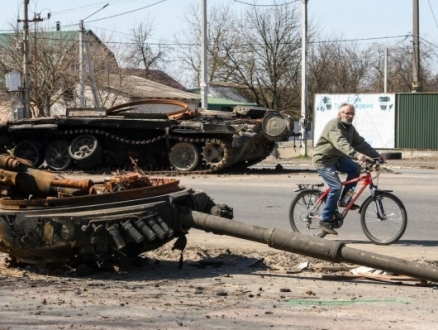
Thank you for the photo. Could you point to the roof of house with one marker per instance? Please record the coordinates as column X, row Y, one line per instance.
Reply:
column 69, row 38
column 134, row 86
column 221, row 101
column 158, row 76
column 224, row 93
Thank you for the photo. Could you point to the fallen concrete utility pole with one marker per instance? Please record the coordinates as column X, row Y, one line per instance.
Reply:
column 306, row 245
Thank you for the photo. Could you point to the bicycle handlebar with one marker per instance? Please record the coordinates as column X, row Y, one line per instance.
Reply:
column 375, row 161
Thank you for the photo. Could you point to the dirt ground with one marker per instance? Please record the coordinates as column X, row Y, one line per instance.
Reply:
column 221, row 286
column 217, row 288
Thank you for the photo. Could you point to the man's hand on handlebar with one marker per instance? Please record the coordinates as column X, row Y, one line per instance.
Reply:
column 376, row 161
column 379, row 160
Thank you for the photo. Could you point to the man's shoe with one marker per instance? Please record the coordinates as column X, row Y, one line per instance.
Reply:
column 327, row 227
column 354, row 207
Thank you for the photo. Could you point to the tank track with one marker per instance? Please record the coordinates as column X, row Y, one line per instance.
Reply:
column 204, row 168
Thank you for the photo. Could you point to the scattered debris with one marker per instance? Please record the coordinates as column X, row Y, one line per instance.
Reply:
column 367, row 270
column 303, row 265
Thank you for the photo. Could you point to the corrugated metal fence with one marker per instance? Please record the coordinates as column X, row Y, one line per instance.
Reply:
column 416, row 121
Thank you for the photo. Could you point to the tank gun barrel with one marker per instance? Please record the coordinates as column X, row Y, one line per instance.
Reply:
column 306, row 245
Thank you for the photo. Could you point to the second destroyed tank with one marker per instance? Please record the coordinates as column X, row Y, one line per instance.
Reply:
column 115, row 138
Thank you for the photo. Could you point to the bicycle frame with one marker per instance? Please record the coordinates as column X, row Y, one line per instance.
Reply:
column 379, row 227
column 367, row 180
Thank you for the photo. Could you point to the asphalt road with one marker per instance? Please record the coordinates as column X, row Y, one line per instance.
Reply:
column 263, row 197
column 235, row 296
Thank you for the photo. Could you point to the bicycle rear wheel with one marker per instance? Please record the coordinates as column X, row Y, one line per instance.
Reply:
column 302, row 213
column 389, row 229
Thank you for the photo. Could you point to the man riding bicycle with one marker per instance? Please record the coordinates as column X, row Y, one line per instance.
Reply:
column 335, row 150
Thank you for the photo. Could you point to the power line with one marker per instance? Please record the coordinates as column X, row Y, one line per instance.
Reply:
column 274, row 5
column 197, row 44
column 127, row 12
column 362, row 39
column 429, row 42
column 433, row 14
column 81, row 8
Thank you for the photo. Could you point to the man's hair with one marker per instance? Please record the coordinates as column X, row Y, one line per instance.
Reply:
column 346, row 104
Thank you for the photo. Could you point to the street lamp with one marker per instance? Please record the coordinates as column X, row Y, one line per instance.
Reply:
column 81, row 63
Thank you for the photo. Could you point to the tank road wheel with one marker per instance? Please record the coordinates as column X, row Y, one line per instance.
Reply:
column 215, row 153
column 30, row 150
column 86, row 151
column 57, row 157
column 184, row 156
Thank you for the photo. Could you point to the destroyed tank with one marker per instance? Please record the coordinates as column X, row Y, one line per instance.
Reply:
column 47, row 219
column 183, row 141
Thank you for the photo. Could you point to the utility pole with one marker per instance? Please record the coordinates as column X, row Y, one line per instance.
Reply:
column 385, row 72
column 26, row 92
column 304, row 115
column 93, row 81
column 81, row 63
column 416, row 78
column 26, row 61
column 204, row 66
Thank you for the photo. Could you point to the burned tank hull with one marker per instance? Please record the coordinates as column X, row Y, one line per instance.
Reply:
column 115, row 231
column 47, row 219
column 185, row 142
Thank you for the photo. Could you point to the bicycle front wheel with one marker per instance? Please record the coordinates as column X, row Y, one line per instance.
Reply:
column 303, row 210
column 389, row 228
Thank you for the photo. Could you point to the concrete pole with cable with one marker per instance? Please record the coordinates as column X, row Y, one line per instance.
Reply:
column 204, row 66
column 81, row 60
column 304, row 115
column 416, row 76
column 81, row 64
column 385, row 72
column 26, row 62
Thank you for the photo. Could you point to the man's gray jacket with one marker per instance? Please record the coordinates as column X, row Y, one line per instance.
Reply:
column 338, row 139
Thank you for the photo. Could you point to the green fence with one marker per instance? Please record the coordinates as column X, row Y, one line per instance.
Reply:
column 416, row 121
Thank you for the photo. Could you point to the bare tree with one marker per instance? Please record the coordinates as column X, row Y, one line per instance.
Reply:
column 221, row 27
column 257, row 50
column 141, row 53
column 54, row 65
column 267, row 62
column 340, row 67
column 49, row 70
column 400, row 67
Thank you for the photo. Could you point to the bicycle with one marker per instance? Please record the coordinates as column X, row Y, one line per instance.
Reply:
column 383, row 216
